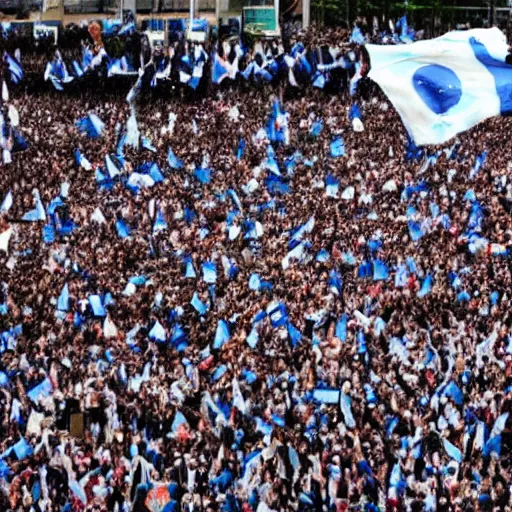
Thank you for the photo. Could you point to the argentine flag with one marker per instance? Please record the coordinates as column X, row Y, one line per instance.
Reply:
column 444, row 86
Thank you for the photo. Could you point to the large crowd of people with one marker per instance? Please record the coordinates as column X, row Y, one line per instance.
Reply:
column 252, row 301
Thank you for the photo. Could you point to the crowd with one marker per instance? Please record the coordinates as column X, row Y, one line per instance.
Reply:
column 252, row 303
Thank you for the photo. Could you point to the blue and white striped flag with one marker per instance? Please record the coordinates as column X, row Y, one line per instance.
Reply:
column 15, row 69
column 444, row 86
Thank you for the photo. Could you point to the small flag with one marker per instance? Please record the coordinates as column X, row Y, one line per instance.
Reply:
column 341, row 327
column 97, row 305
column 335, row 282
column 221, row 334
column 14, row 67
column 316, row 128
column 157, row 333
column 203, row 175
column 6, row 203
column 294, row 334
column 179, row 420
column 123, row 230
column 380, row 271
column 38, row 213
column 332, row 186
column 209, row 272
column 426, row 286
column 63, row 301
column 452, row 451
column 254, row 282
column 415, row 231
column 173, row 161
column 252, row 339
column 160, row 223
column 92, row 125
column 198, row 305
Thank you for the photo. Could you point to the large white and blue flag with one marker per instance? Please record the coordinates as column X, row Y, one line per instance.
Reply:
column 444, row 86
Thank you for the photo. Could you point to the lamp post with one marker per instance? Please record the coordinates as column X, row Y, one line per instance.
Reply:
column 306, row 11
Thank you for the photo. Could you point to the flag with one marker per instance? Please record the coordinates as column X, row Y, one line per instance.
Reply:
column 6, row 203
column 155, row 173
column 401, row 276
column 493, row 445
column 132, row 131
column 92, row 125
column 254, row 282
column 241, row 149
column 179, row 420
column 452, row 451
column 444, row 86
column 299, row 233
column 98, row 217
column 123, row 230
column 127, row 29
column 322, row 256
column 221, row 69
column 14, row 116
column 209, row 272
column 371, row 397
column 97, row 306
column 426, row 286
column 238, row 399
column 112, row 169
column 38, row 213
column 63, row 301
column 157, row 333
column 277, row 314
column 346, row 409
column 335, row 282
column 332, row 186
column 109, row 328
column 469, row 196
column 198, row 305
column 316, row 128
column 160, row 223
column 203, row 175
column 294, row 334
column 479, row 162
column 219, row 372
column 453, row 391
column 21, row 449
column 380, row 271
column 221, row 334
column 173, row 161
column 326, row 396
column 14, row 67
column 146, row 144
column 189, row 270
column 252, row 339
column 77, row 69
column 337, row 147
column 42, row 389
column 415, row 231
column 463, row 296
column 341, row 327
column 82, row 161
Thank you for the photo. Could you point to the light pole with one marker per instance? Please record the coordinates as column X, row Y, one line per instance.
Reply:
column 306, row 11
column 217, row 11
